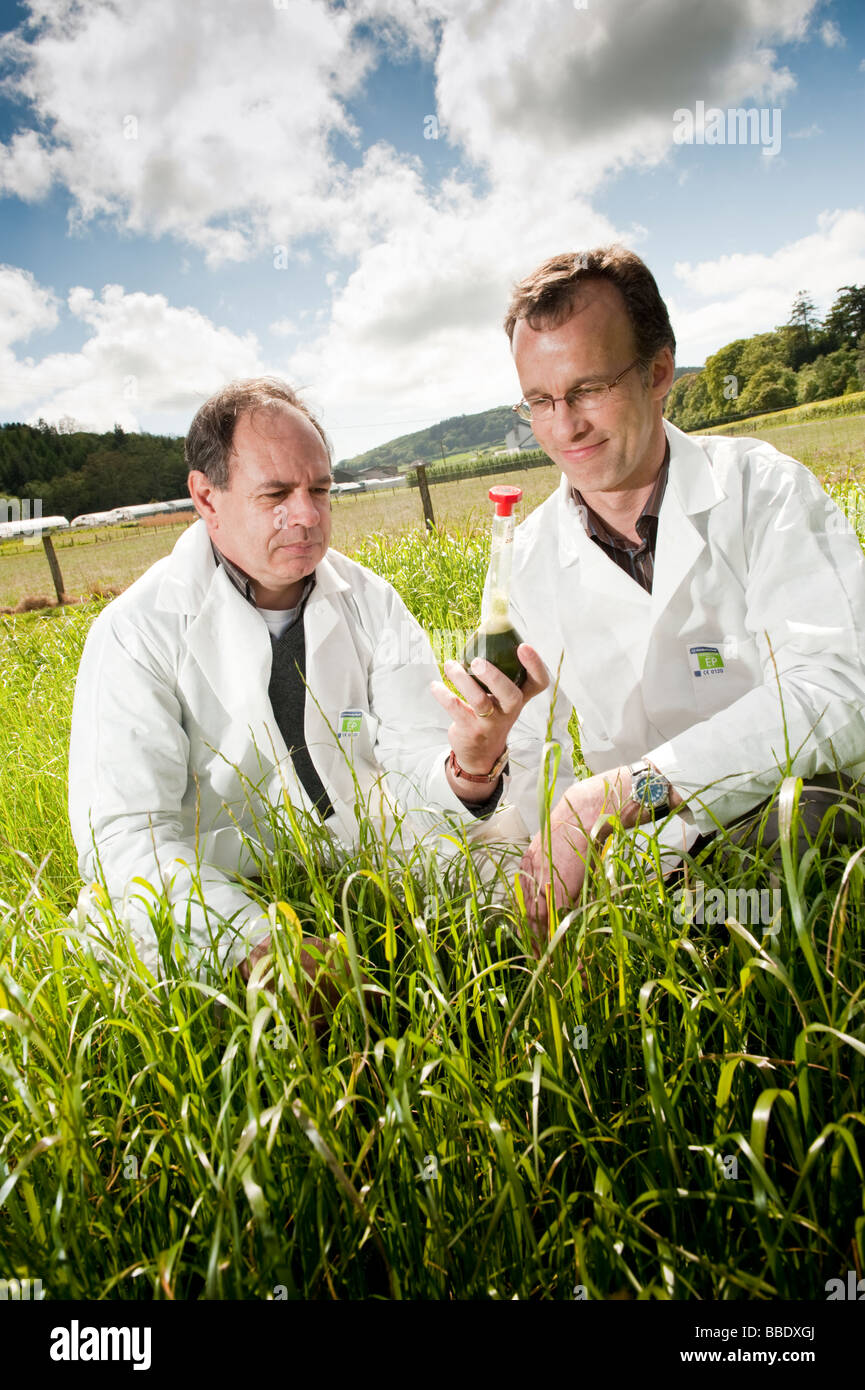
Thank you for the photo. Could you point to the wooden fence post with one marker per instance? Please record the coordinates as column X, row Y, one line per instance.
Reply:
column 54, row 566
column 419, row 467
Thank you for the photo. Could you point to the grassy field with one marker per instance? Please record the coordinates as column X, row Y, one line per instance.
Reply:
column 832, row 409
column 103, row 560
column 833, row 449
column 660, row 1108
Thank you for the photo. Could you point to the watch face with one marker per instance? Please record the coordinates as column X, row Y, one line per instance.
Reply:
column 650, row 789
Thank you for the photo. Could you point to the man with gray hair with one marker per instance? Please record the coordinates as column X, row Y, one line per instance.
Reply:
column 251, row 664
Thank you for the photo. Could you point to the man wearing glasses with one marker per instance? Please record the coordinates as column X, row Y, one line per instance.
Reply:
column 694, row 594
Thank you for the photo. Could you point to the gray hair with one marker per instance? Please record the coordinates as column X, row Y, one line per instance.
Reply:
column 210, row 440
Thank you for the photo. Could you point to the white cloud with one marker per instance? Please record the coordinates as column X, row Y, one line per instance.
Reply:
column 745, row 294
column 560, row 96
column 411, row 340
column 145, row 111
column 806, row 132
column 404, row 28
column 831, row 34
column 25, row 307
column 415, row 332
column 24, row 168
column 140, row 356
column 209, row 123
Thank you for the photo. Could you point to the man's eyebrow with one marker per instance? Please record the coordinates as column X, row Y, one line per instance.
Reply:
column 580, row 381
column 280, row 485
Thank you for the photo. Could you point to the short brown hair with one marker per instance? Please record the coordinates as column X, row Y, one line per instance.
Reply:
column 547, row 296
column 210, row 439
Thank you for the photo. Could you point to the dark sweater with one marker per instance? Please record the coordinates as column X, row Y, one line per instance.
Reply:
column 287, row 693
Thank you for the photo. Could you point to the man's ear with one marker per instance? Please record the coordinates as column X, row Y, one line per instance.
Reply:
column 201, row 491
column 662, row 372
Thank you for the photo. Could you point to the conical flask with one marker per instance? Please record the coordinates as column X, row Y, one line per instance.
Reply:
column 496, row 639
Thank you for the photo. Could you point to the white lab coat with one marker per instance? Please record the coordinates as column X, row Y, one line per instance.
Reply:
column 751, row 555
column 171, row 704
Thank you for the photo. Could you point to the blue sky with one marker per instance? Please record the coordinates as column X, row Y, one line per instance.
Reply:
column 196, row 192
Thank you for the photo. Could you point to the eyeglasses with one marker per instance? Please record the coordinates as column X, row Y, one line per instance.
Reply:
column 590, row 396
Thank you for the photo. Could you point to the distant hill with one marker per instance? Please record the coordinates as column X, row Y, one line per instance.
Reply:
column 452, row 436
column 456, row 435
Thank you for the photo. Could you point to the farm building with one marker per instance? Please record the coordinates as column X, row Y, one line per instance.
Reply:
column 520, row 437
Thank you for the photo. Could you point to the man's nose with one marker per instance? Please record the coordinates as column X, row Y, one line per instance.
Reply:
column 569, row 421
column 300, row 510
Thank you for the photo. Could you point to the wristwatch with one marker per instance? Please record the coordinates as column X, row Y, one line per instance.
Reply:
column 492, row 776
column 649, row 788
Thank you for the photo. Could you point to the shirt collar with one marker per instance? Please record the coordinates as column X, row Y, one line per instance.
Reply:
column 652, row 507
column 242, row 582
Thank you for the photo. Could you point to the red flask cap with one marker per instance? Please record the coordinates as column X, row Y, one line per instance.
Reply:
column 505, row 498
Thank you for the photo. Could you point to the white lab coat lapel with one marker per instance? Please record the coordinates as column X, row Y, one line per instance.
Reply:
column 606, row 596
column 691, row 488
column 232, row 648
column 226, row 639
column 230, row 645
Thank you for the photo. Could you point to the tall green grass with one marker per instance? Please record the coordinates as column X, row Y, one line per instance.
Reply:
column 680, row 1118
column 657, row 1108
column 440, row 576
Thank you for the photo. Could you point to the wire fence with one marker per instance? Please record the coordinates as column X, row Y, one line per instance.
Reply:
column 102, row 561
column 92, row 563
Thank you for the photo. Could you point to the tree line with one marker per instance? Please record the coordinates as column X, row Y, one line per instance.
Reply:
column 804, row 359
column 72, row 472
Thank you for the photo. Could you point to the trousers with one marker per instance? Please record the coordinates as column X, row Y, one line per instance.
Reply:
column 819, row 794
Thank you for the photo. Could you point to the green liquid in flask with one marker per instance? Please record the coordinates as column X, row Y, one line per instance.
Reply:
column 496, row 639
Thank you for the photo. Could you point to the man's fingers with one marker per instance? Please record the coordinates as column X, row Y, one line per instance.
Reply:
column 538, row 675
column 506, row 695
column 455, row 707
column 509, row 696
column 476, row 697
column 471, row 738
column 246, row 966
column 467, row 720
